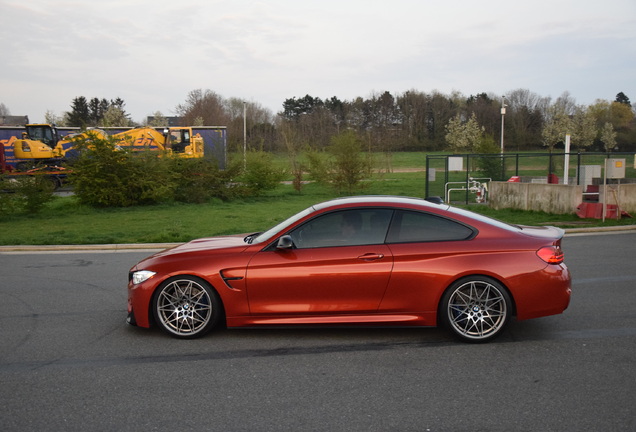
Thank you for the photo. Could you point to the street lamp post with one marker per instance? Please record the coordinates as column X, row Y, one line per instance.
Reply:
column 244, row 135
column 503, row 113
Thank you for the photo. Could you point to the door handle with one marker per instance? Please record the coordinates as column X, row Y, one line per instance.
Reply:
column 371, row 257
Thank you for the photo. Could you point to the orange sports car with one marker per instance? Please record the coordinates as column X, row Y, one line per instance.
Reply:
column 372, row 260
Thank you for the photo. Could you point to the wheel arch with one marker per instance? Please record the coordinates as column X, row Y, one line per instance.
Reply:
column 463, row 277
column 222, row 321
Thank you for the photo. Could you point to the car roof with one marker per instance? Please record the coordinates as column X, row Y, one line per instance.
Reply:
column 379, row 200
column 397, row 201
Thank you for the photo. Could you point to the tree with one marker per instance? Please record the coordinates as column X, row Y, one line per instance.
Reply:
column 584, row 129
column 80, row 114
column 116, row 113
column 557, row 121
column 345, row 166
column 524, row 118
column 440, row 110
column 620, row 116
column 608, row 137
column 97, row 108
column 463, row 136
column 115, row 116
column 622, row 98
column 294, row 108
column 4, row 111
column 337, row 109
column 312, row 119
column 487, row 110
column 51, row 118
column 97, row 112
column 158, row 120
column 413, row 106
column 204, row 104
column 258, row 122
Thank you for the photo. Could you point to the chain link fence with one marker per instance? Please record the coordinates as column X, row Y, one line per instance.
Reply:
column 465, row 178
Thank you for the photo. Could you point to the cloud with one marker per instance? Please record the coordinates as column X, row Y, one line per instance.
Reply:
column 153, row 53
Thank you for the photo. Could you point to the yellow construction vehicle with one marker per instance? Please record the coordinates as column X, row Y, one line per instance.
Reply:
column 178, row 141
column 41, row 144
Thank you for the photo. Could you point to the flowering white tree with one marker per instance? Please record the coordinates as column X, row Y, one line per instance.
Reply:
column 563, row 119
column 608, row 136
column 463, row 136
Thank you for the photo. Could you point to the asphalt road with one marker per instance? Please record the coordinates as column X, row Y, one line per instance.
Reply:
column 69, row 362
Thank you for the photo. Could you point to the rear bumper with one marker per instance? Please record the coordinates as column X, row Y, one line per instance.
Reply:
column 548, row 294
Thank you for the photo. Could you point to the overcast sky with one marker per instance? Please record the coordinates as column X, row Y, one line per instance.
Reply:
column 152, row 53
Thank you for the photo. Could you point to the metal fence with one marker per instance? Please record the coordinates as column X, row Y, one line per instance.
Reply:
column 465, row 178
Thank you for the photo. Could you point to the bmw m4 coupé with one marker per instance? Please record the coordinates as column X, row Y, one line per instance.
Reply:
column 370, row 260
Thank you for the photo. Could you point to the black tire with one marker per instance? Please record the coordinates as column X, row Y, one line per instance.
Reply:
column 186, row 307
column 476, row 309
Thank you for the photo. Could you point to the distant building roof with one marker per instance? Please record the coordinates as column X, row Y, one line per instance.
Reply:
column 14, row 120
column 172, row 121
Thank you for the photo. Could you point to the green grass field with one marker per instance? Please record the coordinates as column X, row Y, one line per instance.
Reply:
column 64, row 221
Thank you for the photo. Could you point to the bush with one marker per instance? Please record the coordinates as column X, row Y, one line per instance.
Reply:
column 261, row 173
column 105, row 175
column 27, row 194
column 345, row 165
column 199, row 180
column 489, row 166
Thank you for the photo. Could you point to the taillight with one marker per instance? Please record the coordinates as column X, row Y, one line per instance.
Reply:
column 551, row 254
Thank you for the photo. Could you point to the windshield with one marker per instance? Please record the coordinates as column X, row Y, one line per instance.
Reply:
column 270, row 232
column 40, row 133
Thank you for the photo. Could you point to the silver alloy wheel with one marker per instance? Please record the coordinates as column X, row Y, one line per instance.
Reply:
column 185, row 307
column 477, row 309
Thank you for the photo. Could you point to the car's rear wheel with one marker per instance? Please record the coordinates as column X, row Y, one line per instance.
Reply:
column 186, row 307
column 476, row 309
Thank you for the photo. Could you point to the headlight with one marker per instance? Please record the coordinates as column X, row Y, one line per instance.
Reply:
column 142, row 275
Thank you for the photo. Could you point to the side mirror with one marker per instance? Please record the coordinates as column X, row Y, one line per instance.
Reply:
column 285, row 242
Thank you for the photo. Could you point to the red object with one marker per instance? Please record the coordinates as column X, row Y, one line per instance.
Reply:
column 553, row 179
column 3, row 165
column 363, row 260
column 589, row 210
column 514, row 179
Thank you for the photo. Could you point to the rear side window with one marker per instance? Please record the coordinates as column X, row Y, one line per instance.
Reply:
column 411, row 226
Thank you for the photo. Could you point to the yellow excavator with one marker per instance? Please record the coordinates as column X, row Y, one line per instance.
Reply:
column 41, row 144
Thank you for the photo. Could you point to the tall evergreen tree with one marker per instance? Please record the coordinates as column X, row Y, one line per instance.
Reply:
column 622, row 98
column 80, row 113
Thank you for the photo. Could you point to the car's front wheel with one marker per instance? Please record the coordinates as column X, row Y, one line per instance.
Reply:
column 186, row 307
column 476, row 309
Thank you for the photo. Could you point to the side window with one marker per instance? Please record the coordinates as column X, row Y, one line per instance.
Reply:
column 344, row 228
column 411, row 226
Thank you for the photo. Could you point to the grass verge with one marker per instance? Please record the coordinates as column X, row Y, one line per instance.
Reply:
column 64, row 221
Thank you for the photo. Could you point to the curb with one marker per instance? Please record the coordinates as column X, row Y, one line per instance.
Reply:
column 131, row 247
column 124, row 247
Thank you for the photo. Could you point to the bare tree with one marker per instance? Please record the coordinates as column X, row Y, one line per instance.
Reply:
column 204, row 104
column 524, row 117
